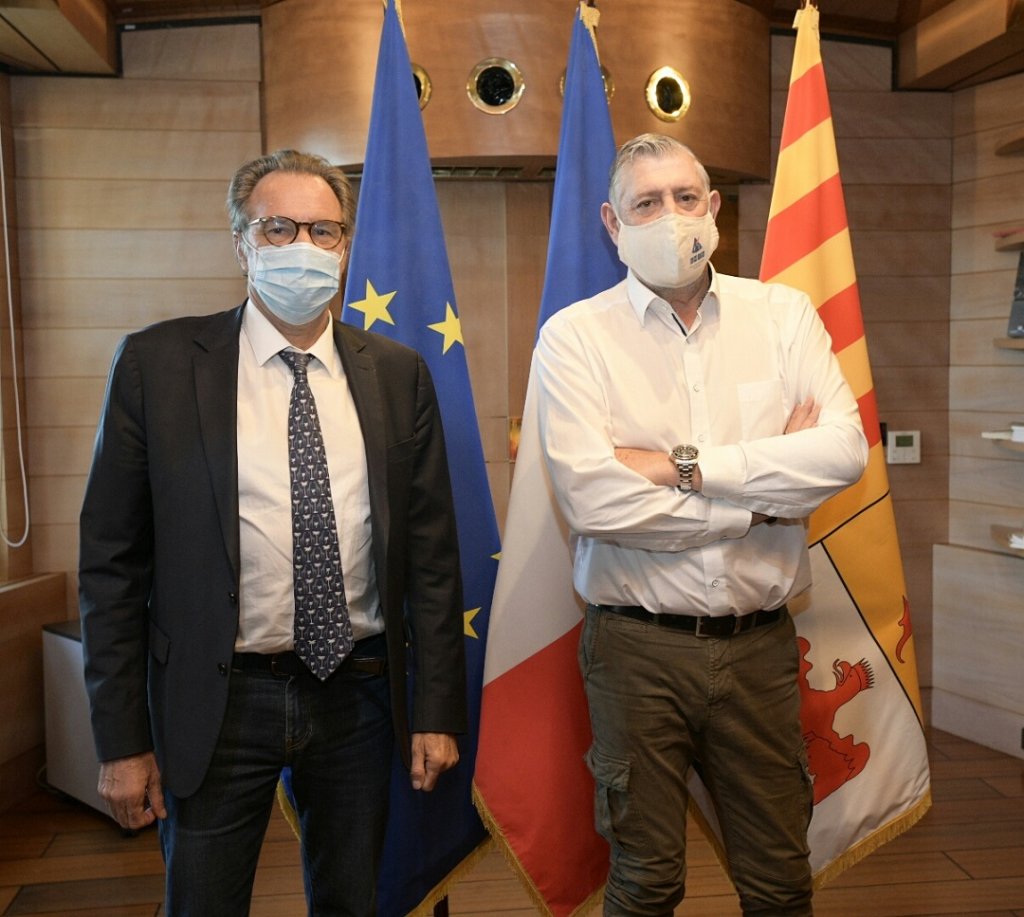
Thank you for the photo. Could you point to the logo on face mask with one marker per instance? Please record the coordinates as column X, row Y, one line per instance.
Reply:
column 669, row 252
column 294, row 281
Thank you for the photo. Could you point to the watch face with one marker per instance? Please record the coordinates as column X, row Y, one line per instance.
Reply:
column 684, row 453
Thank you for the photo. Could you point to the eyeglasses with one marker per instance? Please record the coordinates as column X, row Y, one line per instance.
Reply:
column 283, row 231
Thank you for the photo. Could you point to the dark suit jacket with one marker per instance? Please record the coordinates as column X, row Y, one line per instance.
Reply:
column 159, row 565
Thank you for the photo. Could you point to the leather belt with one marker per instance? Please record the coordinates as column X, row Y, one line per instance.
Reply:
column 291, row 665
column 699, row 625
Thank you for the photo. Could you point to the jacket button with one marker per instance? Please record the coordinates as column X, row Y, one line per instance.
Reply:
column 222, row 668
column 232, row 598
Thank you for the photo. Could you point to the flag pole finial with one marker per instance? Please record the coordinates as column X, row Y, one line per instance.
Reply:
column 807, row 10
column 590, row 15
column 398, row 11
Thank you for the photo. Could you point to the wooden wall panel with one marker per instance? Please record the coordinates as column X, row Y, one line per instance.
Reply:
column 210, row 54
column 974, row 155
column 90, row 153
column 125, row 302
column 884, row 298
column 25, row 606
column 993, row 106
column 134, row 105
column 982, row 294
column 992, row 388
column 849, row 67
column 992, row 200
column 895, row 157
column 891, row 161
column 965, row 439
column 122, row 183
column 972, row 529
column 528, row 228
column 988, row 481
column 857, row 113
column 93, row 253
column 15, row 558
column 122, row 204
column 930, row 344
column 979, row 691
column 473, row 214
column 474, row 219
column 985, row 667
column 971, row 341
column 59, row 402
column 69, row 353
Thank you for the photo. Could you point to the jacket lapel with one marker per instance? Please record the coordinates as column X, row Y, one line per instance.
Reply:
column 215, row 366
column 361, row 372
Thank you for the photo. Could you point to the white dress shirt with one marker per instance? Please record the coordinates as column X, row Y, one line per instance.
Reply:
column 266, row 600
column 618, row 370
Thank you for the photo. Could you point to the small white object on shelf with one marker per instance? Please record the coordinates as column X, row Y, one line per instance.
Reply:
column 1016, row 540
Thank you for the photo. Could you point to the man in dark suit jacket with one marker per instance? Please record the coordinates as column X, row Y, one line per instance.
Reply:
column 200, row 690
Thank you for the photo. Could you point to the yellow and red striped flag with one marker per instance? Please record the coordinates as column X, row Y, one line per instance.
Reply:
column 861, row 705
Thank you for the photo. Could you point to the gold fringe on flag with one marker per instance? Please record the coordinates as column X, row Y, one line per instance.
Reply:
column 494, row 829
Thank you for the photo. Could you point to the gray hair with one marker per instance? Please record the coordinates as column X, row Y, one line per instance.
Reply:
column 245, row 179
column 648, row 146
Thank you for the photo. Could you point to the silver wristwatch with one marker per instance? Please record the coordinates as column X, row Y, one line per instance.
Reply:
column 685, row 460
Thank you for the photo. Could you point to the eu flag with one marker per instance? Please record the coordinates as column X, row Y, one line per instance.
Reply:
column 399, row 284
column 582, row 259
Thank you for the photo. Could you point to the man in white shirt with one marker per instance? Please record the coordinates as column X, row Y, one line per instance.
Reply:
column 268, row 547
column 690, row 422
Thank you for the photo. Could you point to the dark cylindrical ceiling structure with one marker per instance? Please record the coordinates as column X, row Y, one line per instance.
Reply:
column 709, row 60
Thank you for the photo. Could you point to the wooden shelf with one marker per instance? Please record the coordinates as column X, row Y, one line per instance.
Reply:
column 1014, row 146
column 1008, row 343
column 1001, row 536
column 1008, row 444
column 1011, row 242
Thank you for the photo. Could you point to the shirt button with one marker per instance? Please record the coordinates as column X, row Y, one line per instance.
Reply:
column 697, row 386
column 714, row 582
column 701, row 438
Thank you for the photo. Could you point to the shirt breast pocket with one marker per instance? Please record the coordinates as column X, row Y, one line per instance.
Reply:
column 762, row 411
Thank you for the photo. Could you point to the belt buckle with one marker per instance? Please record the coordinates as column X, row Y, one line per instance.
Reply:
column 708, row 626
column 273, row 665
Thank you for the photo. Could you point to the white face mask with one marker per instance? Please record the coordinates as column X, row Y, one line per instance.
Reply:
column 294, row 281
column 670, row 252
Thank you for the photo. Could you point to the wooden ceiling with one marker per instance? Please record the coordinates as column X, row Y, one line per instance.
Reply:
column 882, row 20
column 940, row 44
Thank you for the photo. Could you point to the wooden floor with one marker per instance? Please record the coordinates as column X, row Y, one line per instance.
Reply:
column 966, row 856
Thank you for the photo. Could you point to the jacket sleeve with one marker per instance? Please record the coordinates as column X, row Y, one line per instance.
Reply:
column 433, row 576
column 115, row 566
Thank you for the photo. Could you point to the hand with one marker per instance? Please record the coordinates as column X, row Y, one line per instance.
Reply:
column 432, row 754
column 804, row 416
column 127, row 785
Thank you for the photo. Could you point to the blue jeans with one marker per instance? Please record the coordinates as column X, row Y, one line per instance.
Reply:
column 337, row 738
column 662, row 700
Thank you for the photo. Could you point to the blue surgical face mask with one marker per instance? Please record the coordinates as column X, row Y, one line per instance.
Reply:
column 294, row 281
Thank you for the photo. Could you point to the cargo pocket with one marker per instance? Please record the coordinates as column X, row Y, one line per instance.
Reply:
column 615, row 814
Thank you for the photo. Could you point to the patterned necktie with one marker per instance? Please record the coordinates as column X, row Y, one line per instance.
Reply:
column 323, row 632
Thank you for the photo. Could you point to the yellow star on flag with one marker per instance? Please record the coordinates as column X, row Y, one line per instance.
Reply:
column 374, row 307
column 467, row 623
column 451, row 328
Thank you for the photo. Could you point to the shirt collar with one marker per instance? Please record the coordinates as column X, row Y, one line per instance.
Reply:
column 266, row 341
column 641, row 298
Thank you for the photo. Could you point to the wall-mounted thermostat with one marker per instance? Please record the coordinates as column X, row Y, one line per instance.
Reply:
column 903, row 447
